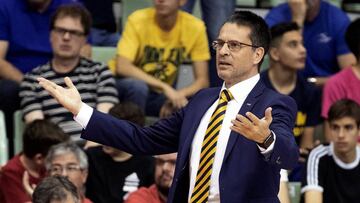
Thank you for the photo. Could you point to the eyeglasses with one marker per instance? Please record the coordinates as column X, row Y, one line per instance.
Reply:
column 58, row 169
column 73, row 33
column 233, row 45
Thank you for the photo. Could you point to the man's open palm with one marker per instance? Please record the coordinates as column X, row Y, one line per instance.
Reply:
column 68, row 97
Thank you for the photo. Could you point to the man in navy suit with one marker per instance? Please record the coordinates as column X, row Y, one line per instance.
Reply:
column 255, row 137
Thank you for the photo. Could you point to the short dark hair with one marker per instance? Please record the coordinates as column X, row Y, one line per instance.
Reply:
column 128, row 111
column 352, row 37
column 39, row 136
column 73, row 10
column 259, row 34
column 54, row 188
column 278, row 31
column 344, row 108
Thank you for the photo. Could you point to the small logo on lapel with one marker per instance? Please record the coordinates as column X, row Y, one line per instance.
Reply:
column 248, row 104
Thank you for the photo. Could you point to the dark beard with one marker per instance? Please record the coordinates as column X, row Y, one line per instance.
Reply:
column 163, row 190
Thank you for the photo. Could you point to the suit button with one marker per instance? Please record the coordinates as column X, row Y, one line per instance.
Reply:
column 278, row 161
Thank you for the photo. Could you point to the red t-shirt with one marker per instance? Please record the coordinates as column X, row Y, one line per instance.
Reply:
column 11, row 187
column 145, row 195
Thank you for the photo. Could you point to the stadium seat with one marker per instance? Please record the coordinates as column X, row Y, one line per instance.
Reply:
column 129, row 6
column 4, row 150
column 19, row 126
column 103, row 54
column 295, row 192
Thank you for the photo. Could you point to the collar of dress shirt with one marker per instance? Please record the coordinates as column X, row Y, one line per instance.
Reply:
column 243, row 88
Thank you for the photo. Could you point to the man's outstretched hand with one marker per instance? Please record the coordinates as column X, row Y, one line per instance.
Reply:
column 253, row 128
column 68, row 97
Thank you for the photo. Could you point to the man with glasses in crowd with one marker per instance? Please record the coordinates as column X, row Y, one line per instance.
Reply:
column 68, row 160
column 231, row 140
column 70, row 26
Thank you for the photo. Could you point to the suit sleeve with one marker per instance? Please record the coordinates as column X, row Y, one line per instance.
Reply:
column 160, row 138
column 285, row 153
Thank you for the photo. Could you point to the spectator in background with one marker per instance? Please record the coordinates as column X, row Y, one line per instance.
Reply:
column 214, row 13
column 103, row 31
column 345, row 83
column 333, row 170
column 68, row 160
column 323, row 26
column 24, row 44
column 158, row 192
column 69, row 27
column 55, row 189
column 38, row 137
column 128, row 172
column 287, row 57
column 154, row 43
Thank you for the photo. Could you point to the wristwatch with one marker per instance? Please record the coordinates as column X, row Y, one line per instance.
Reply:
column 267, row 142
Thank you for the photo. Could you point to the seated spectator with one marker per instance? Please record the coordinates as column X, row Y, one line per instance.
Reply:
column 69, row 27
column 38, row 137
column 344, row 84
column 24, row 44
column 68, row 160
column 128, row 172
column 158, row 192
column 287, row 57
column 103, row 31
column 55, row 189
column 154, row 43
column 323, row 25
column 333, row 170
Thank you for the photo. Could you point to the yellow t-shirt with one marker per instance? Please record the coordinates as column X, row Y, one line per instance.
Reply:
column 160, row 53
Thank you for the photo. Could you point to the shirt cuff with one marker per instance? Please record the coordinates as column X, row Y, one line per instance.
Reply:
column 270, row 148
column 84, row 115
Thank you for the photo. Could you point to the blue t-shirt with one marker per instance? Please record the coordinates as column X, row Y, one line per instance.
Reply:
column 27, row 32
column 308, row 100
column 323, row 37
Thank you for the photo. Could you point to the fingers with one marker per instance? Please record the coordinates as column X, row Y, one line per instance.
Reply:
column 253, row 118
column 69, row 83
column 268, row 116
column 48, row 85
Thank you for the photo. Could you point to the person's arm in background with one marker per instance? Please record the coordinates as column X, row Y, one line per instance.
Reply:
column 126, row 68
column 29, row 104
column 7, row 70
column 201, row 79
column 313, row 196
column 298, row 11
column 283, row 194
column 312, row 182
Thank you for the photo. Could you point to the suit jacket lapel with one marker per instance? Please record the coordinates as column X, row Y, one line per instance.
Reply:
column 248, row 105
column 198, row 109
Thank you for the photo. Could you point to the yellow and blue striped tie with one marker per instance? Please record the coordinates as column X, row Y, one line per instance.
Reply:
column 201, row 189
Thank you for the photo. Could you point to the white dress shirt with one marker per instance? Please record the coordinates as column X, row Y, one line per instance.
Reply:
column 240, row 91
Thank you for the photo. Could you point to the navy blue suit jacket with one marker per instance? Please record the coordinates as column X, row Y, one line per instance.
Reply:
column 246, row 175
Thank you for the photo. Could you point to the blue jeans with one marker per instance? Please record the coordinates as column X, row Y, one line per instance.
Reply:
column 214, row 14
column 104, row 38
column 137, row 91
column 9, row 103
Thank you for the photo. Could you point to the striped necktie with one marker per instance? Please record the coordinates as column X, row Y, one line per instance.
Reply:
column 201, row 189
